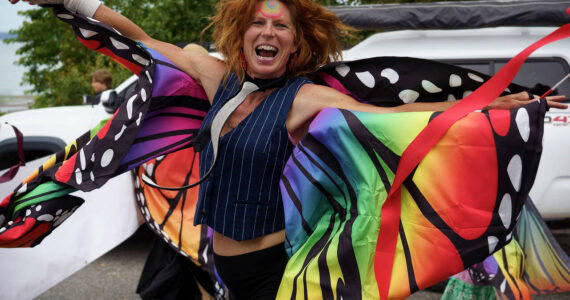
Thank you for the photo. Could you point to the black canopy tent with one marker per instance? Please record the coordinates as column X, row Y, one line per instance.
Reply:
column 455, row 15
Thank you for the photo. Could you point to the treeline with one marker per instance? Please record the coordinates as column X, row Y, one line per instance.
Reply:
column 58, row 66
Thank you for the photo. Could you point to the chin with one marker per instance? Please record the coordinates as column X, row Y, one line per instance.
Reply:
column 264, row 73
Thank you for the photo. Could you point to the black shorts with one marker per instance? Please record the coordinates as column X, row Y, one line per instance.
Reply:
column 254, row 275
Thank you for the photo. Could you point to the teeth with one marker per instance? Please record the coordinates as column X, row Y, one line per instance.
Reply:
column 267, row 48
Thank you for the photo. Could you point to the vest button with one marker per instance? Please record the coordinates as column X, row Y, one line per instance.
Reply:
column 203, row 212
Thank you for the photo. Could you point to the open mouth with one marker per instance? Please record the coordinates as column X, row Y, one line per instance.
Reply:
column 265, row 51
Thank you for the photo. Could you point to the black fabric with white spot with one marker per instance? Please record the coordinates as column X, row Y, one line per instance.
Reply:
column 392, row 81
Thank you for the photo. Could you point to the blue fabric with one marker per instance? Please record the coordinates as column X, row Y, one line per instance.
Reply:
column 241, row 199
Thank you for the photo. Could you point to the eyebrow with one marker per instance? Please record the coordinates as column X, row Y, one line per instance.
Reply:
column 282, row 20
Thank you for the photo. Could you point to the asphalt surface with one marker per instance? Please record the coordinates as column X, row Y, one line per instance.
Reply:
column 116, row 274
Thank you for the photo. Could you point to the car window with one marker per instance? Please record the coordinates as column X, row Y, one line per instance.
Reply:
column 126, row 92
column 538, row 74
column 11, row 158
column 546, row 73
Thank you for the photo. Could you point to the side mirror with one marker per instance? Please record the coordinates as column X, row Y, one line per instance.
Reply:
column 89, row 99
column 109, row 99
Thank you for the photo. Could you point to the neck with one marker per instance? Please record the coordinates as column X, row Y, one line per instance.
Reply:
column 265, row 84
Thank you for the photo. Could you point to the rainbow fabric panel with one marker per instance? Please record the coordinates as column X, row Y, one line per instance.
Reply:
column 458, row 208
column 546, row 264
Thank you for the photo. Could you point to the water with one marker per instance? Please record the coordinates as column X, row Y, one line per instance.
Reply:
column 12, row 94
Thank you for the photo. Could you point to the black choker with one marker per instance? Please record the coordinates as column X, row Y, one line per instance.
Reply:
column 265, row 84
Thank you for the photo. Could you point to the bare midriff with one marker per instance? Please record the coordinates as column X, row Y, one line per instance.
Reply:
column 226, row 246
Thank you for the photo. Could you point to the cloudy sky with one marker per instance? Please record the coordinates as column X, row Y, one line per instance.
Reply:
column 9, row 18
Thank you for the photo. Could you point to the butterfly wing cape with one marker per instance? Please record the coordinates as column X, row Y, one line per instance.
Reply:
column 171, row 105
column 459, row 203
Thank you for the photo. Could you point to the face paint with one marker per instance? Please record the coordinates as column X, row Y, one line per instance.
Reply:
column 271, row 9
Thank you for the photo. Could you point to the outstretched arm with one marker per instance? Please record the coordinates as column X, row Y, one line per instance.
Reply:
column 205, row 69
column 312, row 98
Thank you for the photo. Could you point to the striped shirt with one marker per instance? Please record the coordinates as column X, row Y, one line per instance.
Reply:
column 241, row 199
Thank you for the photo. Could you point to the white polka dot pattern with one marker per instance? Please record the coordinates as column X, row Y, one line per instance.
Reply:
column 408, row 96
column 45, row 218
column 503, row 285
column 118, row 135
column 78, row 176
column 366, row 78
column 492, row 241
column 139, row 119
column 454, row 80
column 522, row 120
column 65, row 16
column 506, row 210
column 21, row 190
column 342, row 69
column 148, row 77
column 87, row 33
column 430, row 87
column 118, row 45
column 149, row 169
column 130, row 106
column 107, row 157
column 141, row 60
column 82, row 159
column 514, row 169
column 390, row 74
column 475, row 77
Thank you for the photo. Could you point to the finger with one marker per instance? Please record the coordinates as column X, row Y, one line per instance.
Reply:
column 525, row 95
column 556, row 98
column 554, row 104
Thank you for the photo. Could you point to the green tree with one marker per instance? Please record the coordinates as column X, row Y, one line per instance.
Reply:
column 58, row 65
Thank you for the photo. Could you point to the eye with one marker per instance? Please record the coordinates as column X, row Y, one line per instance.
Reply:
column 257, row 23
column 281, row 25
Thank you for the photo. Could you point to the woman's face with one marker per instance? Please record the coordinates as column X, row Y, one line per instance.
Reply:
column 269, row 40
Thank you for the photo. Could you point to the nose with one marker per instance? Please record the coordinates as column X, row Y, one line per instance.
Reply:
column 267, row 29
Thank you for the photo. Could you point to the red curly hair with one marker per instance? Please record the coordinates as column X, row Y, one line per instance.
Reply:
column 314, row 28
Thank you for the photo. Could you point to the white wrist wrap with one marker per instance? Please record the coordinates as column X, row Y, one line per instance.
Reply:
column 84, row 7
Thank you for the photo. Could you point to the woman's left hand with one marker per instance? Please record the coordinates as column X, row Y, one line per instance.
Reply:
column 524, row 98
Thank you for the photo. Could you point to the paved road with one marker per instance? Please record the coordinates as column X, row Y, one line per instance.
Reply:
column 115, row 275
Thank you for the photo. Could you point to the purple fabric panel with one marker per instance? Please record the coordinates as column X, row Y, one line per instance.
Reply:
column 173, row 82
column 143, row 148
column 163, row 124
column 178, row 110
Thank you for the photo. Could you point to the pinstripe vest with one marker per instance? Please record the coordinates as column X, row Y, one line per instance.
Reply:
column 241, row 199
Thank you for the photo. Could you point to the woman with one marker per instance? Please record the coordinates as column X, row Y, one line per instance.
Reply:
column 273, row 44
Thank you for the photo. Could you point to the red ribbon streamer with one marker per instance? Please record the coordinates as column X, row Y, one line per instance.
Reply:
column 8, row 175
